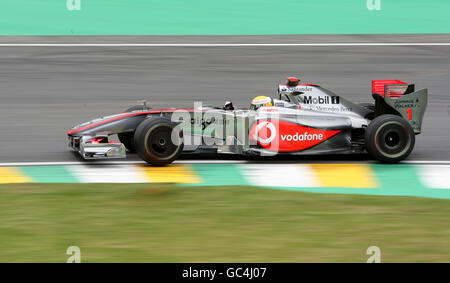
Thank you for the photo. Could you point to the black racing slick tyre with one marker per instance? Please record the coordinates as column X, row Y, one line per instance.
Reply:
column 389, row 138
column 157, row 142
column 127, row 138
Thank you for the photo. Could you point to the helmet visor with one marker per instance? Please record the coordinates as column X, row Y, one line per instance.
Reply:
column 254, row 107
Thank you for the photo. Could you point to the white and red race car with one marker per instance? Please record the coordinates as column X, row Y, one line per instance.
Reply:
column 305, row 119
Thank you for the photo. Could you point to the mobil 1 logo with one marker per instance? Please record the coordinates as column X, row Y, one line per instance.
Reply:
column 321, row 99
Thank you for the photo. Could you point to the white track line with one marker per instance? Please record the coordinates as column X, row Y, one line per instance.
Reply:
column 432, row 162
column 435, row 177
column 111, row 174
column 213, row 161
column 218, row 44
column 280, row 175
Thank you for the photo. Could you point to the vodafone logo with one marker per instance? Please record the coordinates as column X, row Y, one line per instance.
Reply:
column 285, row 136
column 302, row 137
column 265, row 132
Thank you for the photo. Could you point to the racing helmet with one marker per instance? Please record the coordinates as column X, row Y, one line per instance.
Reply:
column 261, row 101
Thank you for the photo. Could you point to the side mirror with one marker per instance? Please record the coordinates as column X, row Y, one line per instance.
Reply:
column 228, row 105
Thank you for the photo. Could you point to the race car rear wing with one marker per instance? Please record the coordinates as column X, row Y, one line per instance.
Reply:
column 400, row 98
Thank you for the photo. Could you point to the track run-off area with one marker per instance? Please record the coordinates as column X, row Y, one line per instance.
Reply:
column 422, row 180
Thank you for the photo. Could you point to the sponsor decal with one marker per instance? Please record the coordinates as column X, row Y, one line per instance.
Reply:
column 284, row 136
column 264, row 132
column 406, row 103
column 272, row 109
column 302, row 137
column 334, row 108
column 204, row 122
column 295, row 88
column 321, row 100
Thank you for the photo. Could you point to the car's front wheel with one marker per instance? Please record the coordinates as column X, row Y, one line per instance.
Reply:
column 157, row 141
column 389, row 138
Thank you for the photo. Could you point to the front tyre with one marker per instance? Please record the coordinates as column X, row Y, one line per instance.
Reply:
column 156, row 142
column 389, row 138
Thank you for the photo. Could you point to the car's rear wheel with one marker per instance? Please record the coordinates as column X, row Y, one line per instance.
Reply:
column 157, row 142
column 128, row 138
column 389, row 138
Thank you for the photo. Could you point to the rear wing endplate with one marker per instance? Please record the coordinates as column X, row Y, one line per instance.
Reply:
column 401, row 99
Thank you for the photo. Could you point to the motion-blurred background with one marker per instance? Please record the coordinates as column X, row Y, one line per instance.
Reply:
column 45, row 90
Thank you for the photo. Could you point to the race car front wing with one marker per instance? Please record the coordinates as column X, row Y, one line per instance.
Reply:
column 97, row 147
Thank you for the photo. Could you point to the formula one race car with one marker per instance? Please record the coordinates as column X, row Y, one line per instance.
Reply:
column 305, row 119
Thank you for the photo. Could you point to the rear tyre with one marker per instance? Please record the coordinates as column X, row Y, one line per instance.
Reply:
column 155, row 143
column 389, row 138
column 127, row 138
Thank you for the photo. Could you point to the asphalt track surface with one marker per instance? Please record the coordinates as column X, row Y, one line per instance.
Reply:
column 44, row 91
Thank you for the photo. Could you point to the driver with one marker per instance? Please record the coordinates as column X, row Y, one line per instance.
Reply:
column 260, row 101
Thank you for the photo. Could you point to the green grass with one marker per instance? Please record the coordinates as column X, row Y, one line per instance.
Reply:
column 164, row 223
